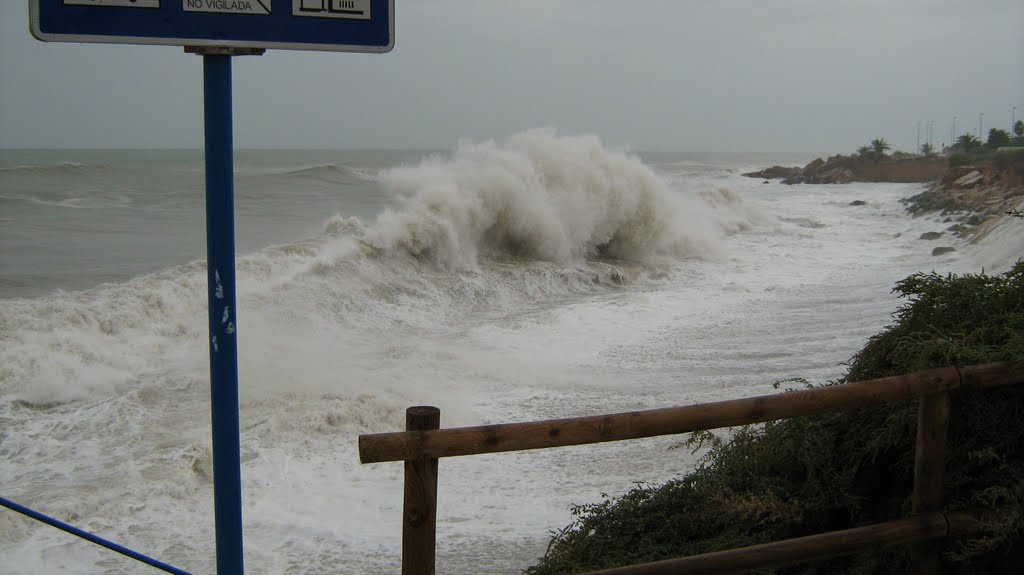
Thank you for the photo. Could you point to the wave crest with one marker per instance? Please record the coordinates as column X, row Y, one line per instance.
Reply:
column 334, row 173
column 46, row 169
column 539, row 196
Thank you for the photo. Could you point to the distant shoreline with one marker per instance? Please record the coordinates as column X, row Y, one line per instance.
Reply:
column 974, row 197
column 842, row 169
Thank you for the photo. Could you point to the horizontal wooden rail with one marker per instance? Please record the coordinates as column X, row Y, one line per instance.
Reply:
column 405, row 446
column 924, row 527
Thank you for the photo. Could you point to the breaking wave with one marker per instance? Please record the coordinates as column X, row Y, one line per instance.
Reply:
column 492, row 230
column 540, row 197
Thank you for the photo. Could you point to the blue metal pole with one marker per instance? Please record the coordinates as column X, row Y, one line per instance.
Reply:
column 220, row 257
column 90, row 537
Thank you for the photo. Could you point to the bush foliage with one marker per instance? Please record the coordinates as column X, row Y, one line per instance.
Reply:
column 845, row 469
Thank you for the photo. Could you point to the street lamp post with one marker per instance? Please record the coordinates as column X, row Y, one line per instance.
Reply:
column 931, row 124
column 918, row 137
column 952, row 132
column 1013, row 119
column 980, row 116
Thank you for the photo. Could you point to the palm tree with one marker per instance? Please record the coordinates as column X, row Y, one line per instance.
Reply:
column 864, row 152
column 879, row 146
column 927, row 149
column 968, row 142
column 998, row 138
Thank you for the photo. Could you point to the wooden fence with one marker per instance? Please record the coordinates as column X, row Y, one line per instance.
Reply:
column 424, row 442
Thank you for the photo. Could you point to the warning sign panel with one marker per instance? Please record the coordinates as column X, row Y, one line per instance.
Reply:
column 354, row 9
column 330, row 25
column 125, row 3
column 228, row 6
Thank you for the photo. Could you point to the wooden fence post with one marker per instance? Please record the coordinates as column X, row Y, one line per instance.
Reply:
column 419, row 513
column 929, row 461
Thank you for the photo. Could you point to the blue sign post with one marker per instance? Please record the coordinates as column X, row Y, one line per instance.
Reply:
column 218, row 30
column 220, row 273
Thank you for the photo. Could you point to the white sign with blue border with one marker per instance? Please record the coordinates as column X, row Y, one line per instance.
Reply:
column 329, row 25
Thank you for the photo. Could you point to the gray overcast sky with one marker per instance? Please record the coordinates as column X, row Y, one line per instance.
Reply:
column 727, row 75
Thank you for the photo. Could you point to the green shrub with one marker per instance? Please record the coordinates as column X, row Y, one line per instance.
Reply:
column 838, row 470
column 959, row 159
column 973, row 159
column 1005, row 160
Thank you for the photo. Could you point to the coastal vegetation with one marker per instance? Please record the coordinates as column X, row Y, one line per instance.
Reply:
column 966, row 147
column 875, row 150
column 807, row 475
column 875, row 162
column 970, row 150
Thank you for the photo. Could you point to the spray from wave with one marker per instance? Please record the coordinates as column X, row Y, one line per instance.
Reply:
column 539, row 197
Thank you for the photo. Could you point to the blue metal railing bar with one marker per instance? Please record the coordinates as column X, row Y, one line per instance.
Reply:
column 90, row 537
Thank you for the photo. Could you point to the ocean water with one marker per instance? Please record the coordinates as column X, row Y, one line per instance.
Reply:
column 539, row 277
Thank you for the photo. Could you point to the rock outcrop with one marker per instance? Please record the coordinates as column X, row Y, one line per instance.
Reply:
column 773, row 173
column 835, row 170
column 974, row 198
column 845, row 169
